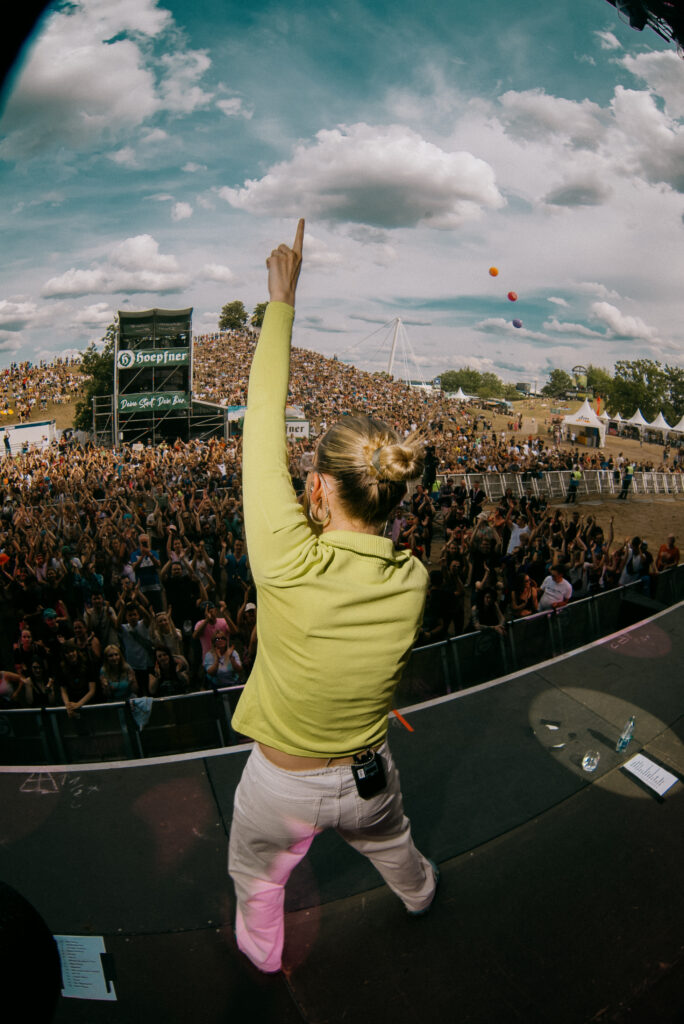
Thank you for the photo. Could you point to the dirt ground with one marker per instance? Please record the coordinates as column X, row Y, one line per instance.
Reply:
column 651, row 517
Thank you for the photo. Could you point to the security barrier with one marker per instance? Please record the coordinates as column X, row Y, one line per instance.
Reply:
column 554, row 485
column 202, row 721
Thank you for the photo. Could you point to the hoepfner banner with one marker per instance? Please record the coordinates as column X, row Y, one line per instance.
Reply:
column 134, row 359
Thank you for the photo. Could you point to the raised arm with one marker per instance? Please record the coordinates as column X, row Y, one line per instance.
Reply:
column 270, row 504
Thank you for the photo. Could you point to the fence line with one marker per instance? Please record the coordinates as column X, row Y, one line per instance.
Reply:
column 202, row 721
column 554, row 484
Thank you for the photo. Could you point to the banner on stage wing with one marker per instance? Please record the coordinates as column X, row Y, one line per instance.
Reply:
column 159, row 401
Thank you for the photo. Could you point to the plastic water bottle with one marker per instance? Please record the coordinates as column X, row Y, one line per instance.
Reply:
column 625, row 736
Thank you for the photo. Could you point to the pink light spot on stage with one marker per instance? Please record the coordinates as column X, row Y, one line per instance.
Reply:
column 649, row 642
column 179, row 814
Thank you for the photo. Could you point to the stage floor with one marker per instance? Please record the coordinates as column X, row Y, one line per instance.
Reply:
column 560, row 898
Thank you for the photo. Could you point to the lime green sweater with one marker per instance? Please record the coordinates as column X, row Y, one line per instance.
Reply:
column 338, row 613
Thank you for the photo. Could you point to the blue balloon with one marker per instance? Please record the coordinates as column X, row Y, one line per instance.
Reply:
column 517, row 323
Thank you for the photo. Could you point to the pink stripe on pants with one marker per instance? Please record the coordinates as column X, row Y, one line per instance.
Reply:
column 276, row 816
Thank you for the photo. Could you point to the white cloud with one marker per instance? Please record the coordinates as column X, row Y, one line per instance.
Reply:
column 233, row 107
column 100, row 314
column 557, row 301
column 156, row 135
column 662, row 72
column 621, row 325
column 320, row 256
column 608, row 41
column 180, row 91
column 579, row 190
column 594, row 288
column 564, row 327
column 181, row 211
column 651, row 144
column 579, row 154
column 76, row 282
column 134, row 266
column 205, row 323
column 91, row 73
column 125, row 157
column 387, row 176
column 15, row 316
column 216, row 272
column 9, row 342
column 533, row 114
column 191, row 168
column 505, row 329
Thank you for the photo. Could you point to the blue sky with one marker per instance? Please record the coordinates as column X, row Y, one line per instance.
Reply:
column 152, row 153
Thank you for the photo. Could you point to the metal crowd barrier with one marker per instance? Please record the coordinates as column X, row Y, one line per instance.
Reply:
column 202, row 721
column 554, row 485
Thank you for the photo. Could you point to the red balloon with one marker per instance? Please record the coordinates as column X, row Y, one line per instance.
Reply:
column 513, row 296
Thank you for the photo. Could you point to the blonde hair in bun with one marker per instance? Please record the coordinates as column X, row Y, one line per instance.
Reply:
column 371, row 464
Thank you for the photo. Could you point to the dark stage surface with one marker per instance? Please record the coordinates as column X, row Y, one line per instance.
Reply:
column 560, row 901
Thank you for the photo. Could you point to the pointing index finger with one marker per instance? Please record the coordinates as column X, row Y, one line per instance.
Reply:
column 298, row 243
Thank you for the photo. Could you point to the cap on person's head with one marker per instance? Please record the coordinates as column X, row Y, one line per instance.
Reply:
column 207, row 604
column 49, row 613
column 250, row 607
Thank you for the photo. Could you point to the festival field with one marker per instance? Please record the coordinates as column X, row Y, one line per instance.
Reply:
column 651, row 517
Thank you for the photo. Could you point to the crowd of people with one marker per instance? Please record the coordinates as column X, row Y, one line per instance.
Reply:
column 27, row 389
column 325, row 389
column 125, row 572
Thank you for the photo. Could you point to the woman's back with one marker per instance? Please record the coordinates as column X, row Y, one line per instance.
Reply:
column 339, row 610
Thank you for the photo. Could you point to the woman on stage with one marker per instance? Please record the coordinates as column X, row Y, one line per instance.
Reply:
column 339, row 611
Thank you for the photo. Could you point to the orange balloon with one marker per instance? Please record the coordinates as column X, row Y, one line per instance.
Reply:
column 494, row 271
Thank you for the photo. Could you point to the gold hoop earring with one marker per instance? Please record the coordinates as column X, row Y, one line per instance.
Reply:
column 322, row 522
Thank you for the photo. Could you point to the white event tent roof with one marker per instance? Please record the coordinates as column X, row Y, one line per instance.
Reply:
column 637, row 420
column 587, row 418
column 660, row 423
column 461, row 396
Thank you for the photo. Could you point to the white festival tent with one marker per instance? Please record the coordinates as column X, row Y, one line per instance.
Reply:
column 461, row 396
column 679, row 427
column 660, row 423
column 637, row 420
column 604, row 417
column 593, row 429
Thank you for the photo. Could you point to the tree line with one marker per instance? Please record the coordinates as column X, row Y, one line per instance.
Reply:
column 644, row 384
column 234, row 316
column 484, row 385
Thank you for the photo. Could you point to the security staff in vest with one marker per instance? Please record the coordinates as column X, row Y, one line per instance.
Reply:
column 573, row 485
column 626, row 480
